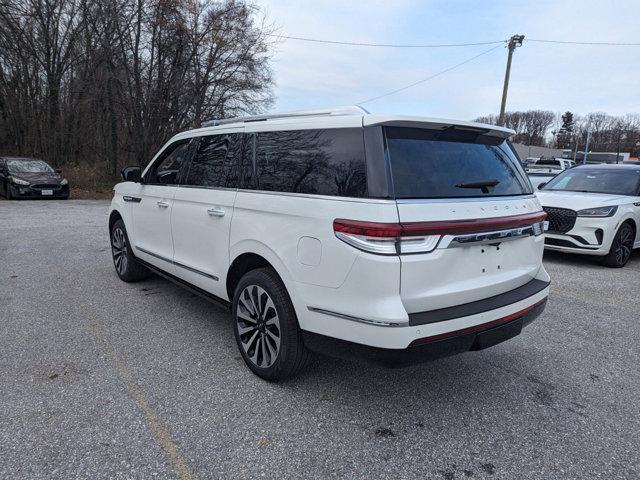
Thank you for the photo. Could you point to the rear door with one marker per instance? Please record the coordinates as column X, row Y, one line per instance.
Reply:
column 203, row 209
column 468, row 182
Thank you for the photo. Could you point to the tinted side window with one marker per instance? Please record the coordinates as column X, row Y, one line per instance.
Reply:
column 216, row 161
column 167, row 168
column 323, row 162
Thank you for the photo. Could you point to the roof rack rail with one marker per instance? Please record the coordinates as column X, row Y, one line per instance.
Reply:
column 325, row 112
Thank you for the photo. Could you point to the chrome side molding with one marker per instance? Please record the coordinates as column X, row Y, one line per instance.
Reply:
column 177, row 264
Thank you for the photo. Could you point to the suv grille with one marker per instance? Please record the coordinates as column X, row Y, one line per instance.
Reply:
column 561, row 220
column 45, row 186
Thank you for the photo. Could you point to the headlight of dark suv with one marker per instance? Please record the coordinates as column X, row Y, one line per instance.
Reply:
column 598, row 212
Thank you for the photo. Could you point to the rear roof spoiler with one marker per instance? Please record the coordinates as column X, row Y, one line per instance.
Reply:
column 435, row 124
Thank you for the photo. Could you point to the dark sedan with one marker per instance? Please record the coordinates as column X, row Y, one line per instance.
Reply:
column 30, row 178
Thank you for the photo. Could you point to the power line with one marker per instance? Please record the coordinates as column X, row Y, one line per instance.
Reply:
column 388, row 45
column 446, row 45
column 570, row 42
column 430, row 77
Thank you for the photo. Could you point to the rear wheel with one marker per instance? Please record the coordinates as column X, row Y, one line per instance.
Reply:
column 7, row 192
column 621, row 247
column 266, row 327
column 127, row 266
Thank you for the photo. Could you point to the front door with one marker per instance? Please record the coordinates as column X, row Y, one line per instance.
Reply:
column 152, row 208
column 203, row 209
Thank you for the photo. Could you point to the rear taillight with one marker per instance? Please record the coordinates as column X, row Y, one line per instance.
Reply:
column 384, row 238
column 423, row 237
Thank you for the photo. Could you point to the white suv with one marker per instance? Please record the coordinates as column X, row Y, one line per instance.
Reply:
column 400, row 239
column 594, row 210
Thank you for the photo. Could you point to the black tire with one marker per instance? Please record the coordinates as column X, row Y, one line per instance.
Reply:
column 256, row 330
column 7, row 193
column 621, row 247
column 127, row 266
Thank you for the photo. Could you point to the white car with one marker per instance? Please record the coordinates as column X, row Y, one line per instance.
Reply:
column 538, row 179
column 399, row 239
column 549, row 165
column 594, row 210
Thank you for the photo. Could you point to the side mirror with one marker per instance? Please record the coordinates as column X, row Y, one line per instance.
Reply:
column 132, row 173
column 541, row 185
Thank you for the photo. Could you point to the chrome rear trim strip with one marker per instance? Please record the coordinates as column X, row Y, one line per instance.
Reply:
column 494, row 237
column 355, row 319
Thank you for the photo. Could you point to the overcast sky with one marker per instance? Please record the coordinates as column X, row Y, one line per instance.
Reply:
column 544, row 76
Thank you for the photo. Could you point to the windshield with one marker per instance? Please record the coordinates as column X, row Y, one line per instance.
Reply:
column 618, row 182
column 451, row 163
column 28, row 166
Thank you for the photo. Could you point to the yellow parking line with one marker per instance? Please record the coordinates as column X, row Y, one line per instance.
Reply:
column 152, row 420
column 161, row 434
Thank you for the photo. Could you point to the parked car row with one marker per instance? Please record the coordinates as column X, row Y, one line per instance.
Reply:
column 31, row 178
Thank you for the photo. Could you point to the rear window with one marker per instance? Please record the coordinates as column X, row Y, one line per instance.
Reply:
column 451, row 163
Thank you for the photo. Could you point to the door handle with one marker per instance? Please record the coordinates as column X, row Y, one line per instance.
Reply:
column 163, row 204
column 215, row 212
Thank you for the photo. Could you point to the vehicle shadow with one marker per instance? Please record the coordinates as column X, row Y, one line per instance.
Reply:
column 575, row 259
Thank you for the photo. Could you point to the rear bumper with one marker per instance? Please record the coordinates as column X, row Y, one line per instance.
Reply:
column 477, row 337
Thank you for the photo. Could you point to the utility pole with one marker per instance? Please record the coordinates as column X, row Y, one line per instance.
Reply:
column 514, row 41
column 586, row 147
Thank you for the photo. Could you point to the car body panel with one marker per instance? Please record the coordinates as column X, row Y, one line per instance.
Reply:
column 449, row 276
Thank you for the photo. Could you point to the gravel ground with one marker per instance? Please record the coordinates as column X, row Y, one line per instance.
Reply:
column 102, row 379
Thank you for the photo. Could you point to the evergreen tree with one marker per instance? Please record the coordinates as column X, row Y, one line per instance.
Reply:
column 564, row 139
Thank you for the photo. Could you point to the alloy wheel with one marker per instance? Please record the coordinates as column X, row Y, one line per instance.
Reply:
column 258, row 326
column 624, row 245
column 119, row 250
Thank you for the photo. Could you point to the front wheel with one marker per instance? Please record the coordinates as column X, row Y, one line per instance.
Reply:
column 127, row 266
column 266, row 327
column 621, row 247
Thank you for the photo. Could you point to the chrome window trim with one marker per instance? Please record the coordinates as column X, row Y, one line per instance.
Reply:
column 321, row 197
column 204, row 187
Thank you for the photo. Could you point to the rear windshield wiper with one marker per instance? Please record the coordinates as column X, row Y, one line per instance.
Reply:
column 483, row 185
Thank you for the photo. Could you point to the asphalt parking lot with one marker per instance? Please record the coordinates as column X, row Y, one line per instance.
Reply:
column 102, row 379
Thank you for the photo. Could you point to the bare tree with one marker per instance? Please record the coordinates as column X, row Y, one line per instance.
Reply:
column 105, row 82
column 531, row 127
